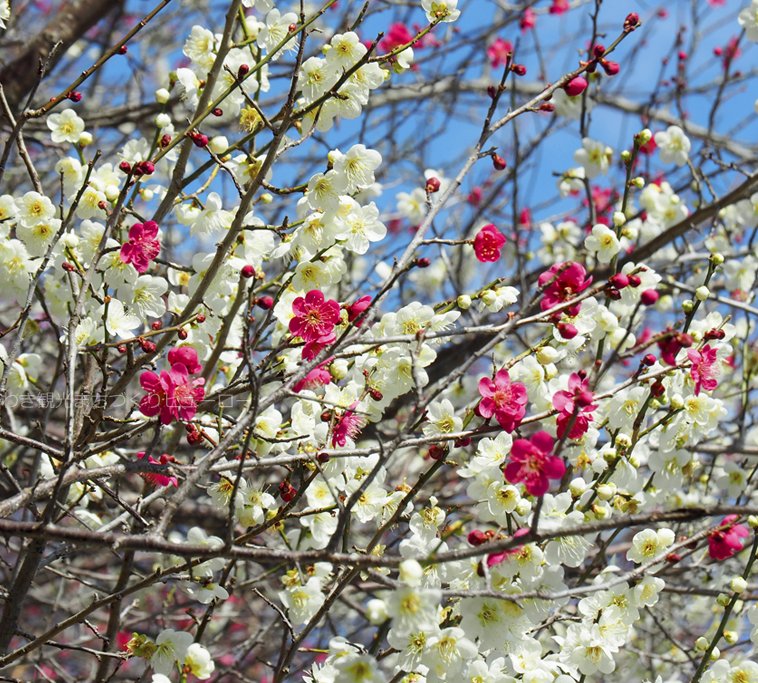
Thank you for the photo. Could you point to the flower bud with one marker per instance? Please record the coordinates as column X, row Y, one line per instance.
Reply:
column 606, row 491
column 498, row 162
column 577, row 487
column 410, row 572
column 723, row 599
column 649, row 297
column 432, row 185
column 489, row 297
column 162, row 120
column 463, row 302
column 731, row 637
column 162, row 95
column 738, row 584
column 717, row 259
column 638, row 182
column 85, row 138
column 688, row 305
column 702, row 293
column 218, row 144
column 576, row 86
column 547, row 354
column 376, row 612
column 701, row 644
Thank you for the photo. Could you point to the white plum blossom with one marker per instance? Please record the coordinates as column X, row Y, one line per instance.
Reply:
column 65, row 126
column 594, row 157
column 673, row 145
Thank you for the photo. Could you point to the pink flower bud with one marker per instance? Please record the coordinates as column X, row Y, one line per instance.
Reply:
column 576, row 86
column 649, row 297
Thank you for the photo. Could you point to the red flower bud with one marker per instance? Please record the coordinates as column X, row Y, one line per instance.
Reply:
column 121, row 348
column 265, row 302
column 610, row 68
column 598, row 51
column 519, row 69
column 436, row 452
column 182, row 334
column 576, row 86
column 247, row 271
column 619, row 281
column 423, row 262
column 432, row 185
column 649, row 297
column 217, row 111
column 75, row 96
column 657, row 389
column 242, row 71
column 632, row 21
column 125, row 167
column 477, row 537
column 635, row 281
column 165, row 141
column 498, row 162
column 200, row 319
column 649, row 359
column 567, row 330
column 157, row 325
column 547, row 106
column 123, row 50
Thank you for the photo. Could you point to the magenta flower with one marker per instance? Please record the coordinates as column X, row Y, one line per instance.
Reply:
column 726, row 542
column 142, row 246
column 348, row 426
column 562, row 283
column 532, row 463
column 504, row 399
column 187, row 356
column 496, row 558
column 317, row 377
column 704, row 368
column 173, row 395
column 356, row 310
column 314, row 321
column 154, row 478
column 488, row 243
column 397, row 35
column 499, row 51
column 574, row 404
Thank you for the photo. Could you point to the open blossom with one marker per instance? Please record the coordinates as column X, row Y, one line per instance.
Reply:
column 142, row 246
column 673, row 145
column 573, row 406
column 562, row 283
column 348, row 426
column 603, row 242
column 672, row 344
column 499, row 51
column 727, row 541
column 533, row 463
column 314, row 321
column 488, row 243
column 65, row 126
column 155, row 478
column 173, row 395
column 704, row 368
column 317, row 377
column 441, row 10
column 749, row 21
column 504, row 399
